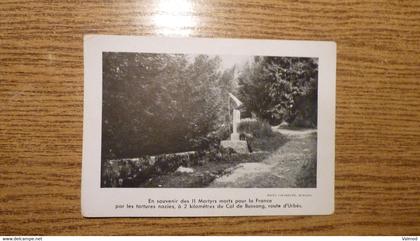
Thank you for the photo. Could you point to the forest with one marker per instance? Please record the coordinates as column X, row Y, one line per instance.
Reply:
column 168, row 103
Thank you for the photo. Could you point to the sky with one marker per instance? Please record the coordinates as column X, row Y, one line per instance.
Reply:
column 229, row 60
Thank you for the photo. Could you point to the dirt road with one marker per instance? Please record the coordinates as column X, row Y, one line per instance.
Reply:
column 286, row 167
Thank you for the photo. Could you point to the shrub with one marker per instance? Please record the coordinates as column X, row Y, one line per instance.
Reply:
column 256, row 128
column 269, row 144
column 307, row 174
column 223, row 132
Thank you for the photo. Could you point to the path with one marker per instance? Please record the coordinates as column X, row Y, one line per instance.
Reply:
column 284, row 168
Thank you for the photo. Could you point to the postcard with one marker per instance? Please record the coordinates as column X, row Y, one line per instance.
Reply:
column 186, row 127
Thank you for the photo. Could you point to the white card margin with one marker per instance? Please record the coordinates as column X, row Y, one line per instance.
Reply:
column 99, row 202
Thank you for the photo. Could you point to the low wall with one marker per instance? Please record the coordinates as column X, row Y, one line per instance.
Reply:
column 130, row 172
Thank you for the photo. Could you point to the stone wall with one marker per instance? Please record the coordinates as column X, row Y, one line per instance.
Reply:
column 130, row 172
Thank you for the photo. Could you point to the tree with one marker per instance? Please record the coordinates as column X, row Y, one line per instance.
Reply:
column 281, row 89
column 158, row 103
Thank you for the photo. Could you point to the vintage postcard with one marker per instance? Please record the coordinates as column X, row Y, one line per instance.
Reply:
column 207, row 127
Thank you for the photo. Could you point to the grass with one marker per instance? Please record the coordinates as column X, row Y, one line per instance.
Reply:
column 206, row 172
column 270, row 143
column 293, row 161
column 255, row 128
column 209, row 167
column 307, row 173
column 203, row 174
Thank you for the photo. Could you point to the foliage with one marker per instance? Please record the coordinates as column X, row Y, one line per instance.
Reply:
column 281, row 89
column 149, row 171
column 268, row 144
column 306, row 176
column 161, row 103
column 132, row 172
column 255, row 128
column 204, row 174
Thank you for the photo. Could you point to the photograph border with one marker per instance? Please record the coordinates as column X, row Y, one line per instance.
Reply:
column 100, row 202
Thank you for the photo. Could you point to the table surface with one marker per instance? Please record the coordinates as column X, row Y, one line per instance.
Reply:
column 377, row 120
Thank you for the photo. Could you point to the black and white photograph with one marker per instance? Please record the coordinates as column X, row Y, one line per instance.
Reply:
column 207, row 127
column 218, row 121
